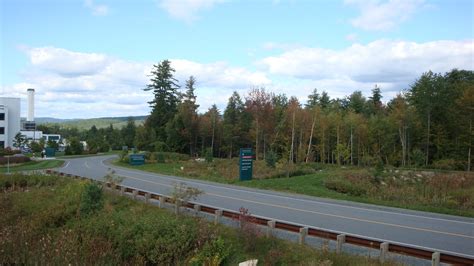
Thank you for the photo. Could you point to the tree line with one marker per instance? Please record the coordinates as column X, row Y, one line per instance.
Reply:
column 429, row 124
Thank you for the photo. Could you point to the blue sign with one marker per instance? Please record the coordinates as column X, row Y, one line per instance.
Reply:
column 136, row 159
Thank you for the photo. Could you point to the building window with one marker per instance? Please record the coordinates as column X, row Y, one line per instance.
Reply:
column 2, row 144
column 2, row 130
column 2, row 116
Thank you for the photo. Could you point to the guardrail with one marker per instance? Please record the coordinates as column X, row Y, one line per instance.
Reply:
column 303, row 230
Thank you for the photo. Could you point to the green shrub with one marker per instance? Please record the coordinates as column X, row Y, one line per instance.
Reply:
column 368, row 160
column 123, row 153
column 418, row 157
column 20, row 180
column 160, row 157
column 464, row 198
column 447, row 164
column 271, row 159
column 147, row 155
column 208, row 155
column 213, row 253
column 92, row 199
column 345, row 187
column 14, row 159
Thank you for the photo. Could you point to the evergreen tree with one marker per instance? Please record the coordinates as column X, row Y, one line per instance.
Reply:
column 313, row 99
column 324, row 100
column 166, row 97
column 128, row 132
column 233, row 131
column 357, row 102
column 376, row 100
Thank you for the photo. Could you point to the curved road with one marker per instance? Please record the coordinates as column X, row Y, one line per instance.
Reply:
column 444, row 233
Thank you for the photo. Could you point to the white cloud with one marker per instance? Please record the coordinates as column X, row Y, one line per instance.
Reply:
column 377, row 15
column 72, row 84
column 280, row 46
column 97, row 10
column 186, row 10
column 352, row 37
column 66, row 63
column 380, row 61
column 218, row 74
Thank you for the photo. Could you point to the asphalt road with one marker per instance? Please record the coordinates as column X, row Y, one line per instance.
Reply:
column 444, row 233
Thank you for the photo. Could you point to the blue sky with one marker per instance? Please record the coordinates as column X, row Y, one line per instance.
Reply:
column 91, row 58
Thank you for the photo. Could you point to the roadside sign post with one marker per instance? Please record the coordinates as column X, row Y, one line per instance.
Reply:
column 136, row 159
column 245, row 164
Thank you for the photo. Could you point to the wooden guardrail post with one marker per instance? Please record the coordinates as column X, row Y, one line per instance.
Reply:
column 147, row 198
column 341, row 239
column 122, row 190
column 161, row 202
column 197, row 209
column 217, row 217
column 303, row 234
column 271, row 226
column 383, row 251
column 435, row 259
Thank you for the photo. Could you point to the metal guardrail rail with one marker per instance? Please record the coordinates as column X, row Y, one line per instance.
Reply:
column 341, row 238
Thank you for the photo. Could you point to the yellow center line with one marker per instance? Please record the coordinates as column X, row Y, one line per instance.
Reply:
column 321, row 213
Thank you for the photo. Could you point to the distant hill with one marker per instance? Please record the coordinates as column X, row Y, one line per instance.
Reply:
column 102, row 122
column 45, row 120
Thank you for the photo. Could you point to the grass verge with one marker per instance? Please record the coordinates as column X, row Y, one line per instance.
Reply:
column 53, row 220
column 32, row 165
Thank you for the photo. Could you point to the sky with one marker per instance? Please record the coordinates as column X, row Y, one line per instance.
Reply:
column 92, row 58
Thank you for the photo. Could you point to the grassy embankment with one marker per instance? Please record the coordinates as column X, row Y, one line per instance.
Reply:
column 32, row 165
column 440, row 192
column 54, row 220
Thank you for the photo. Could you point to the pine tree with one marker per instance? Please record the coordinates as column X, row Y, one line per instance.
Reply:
column 182, row 131
column 233, row 115
column 166, row 97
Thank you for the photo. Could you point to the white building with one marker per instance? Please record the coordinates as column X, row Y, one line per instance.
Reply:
column 9, row 120
column 32, row 135
column 11, row 124
column 53, row 137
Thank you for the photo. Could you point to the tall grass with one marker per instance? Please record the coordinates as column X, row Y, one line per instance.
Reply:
column 42, row 223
